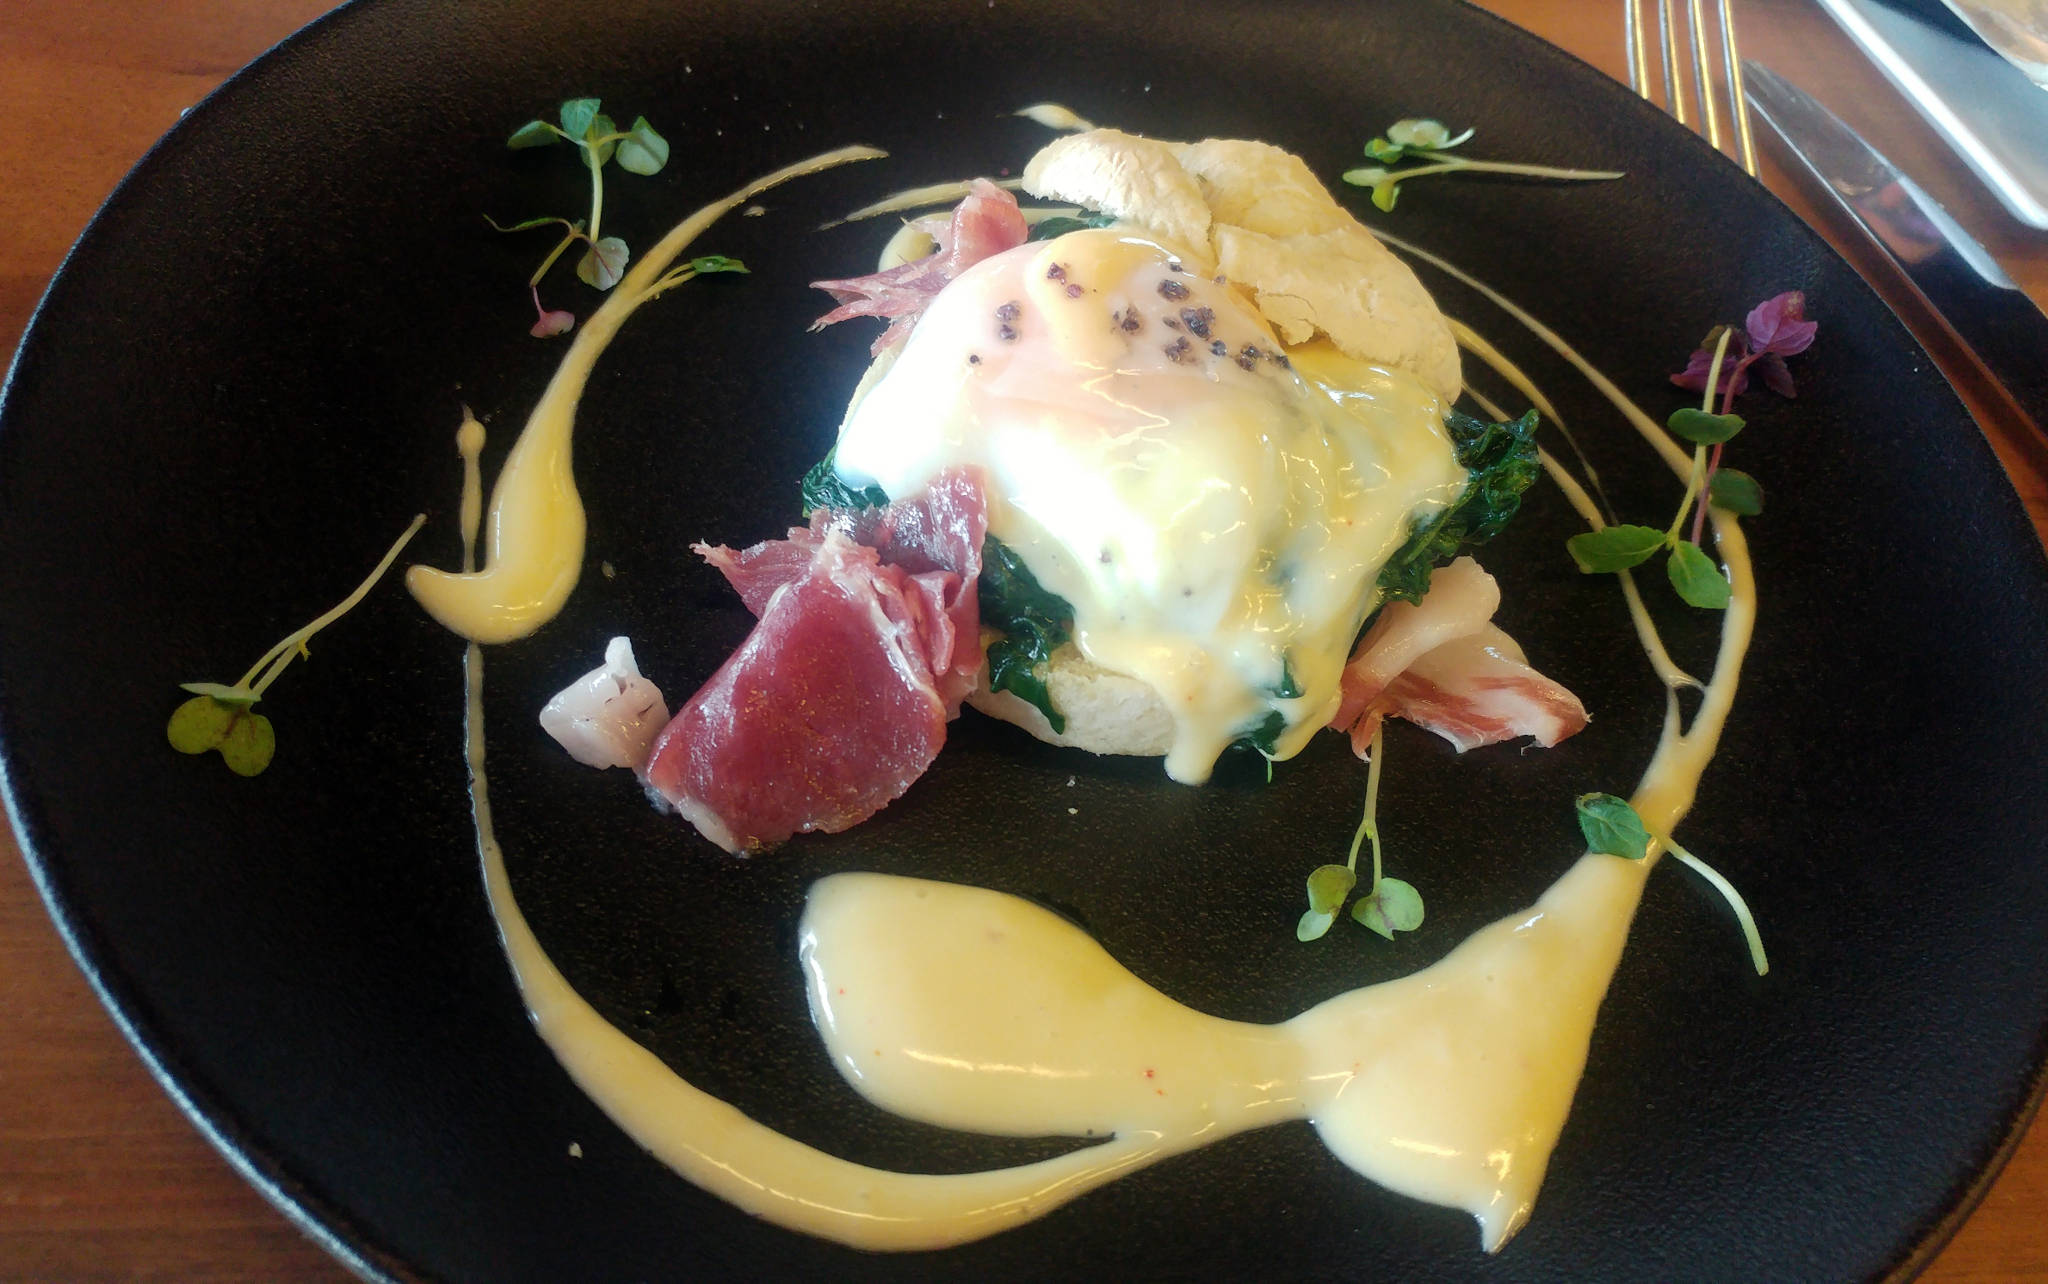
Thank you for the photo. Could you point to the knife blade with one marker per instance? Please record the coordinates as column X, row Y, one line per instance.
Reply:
column 1955, row 273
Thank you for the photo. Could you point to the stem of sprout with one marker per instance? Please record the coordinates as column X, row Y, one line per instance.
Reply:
column 1696, row 480
column 276, row 658
column 1699, row 519
column 1729, row 894
column 1511, row 167
column 1368, row 824
column 569, row 238
column 596, row 189
column 668, row 281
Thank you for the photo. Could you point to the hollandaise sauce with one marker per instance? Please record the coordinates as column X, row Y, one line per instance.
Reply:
column 976, row 1010
column 533, row 538
column 1215, row 507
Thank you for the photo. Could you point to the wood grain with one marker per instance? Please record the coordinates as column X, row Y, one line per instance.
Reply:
column 101, row 1177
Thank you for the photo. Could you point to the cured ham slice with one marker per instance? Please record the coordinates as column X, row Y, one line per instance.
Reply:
column 1443, row 665
column 985, row 224
column 935, row 536
column 1479, row 690
column 1462, row 597
column 822, row 717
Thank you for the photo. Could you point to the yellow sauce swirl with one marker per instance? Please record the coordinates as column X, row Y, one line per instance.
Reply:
column 976, row 1010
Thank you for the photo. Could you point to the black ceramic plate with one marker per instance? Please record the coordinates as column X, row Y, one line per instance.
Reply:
column 247, row 379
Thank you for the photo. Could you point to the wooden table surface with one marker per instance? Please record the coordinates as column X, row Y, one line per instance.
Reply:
column 100, row 1176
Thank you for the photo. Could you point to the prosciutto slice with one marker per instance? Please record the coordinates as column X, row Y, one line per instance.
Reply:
column 867, row 639
column 935, row 536
column 1479, row 690
column 1442, row 664
column 985, row 224
column 822, row 717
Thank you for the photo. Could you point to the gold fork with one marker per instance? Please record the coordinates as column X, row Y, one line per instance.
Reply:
column 1699, row 82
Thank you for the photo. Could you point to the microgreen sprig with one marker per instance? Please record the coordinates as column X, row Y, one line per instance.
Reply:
column 639, row 149
column 1614, row 828
column 1389, row 904
column 1691, row 571
column 1775, row 329
column 222, row 717
column 1430, row 142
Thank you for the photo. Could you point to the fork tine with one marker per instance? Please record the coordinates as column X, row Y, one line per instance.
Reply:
column 1674, row 71
column 1703, row 90
column 1704, row 72
column 1638, row 48
column 1732, row 60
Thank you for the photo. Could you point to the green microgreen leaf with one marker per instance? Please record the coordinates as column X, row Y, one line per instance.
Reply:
column 1423, row 134
column 577, row 115
column 201, row 723
column 603, row 263
column 1612, row 827
column 1312, row 925
column 1395, row 906
column 1614, row 548
column 643, row 151
column 603, row 138
column 1385, row 190
column 249, row 745
column 534, row 133
column 716, row 263
column 237, row 696
column 1701, row 428
column 1696, row 578
column 1736, row 491
column 1430, row 142
column 1328, row 886
column 221, row 717
column 243, row 737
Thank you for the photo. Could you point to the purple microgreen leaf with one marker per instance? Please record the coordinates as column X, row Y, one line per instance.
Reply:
column 1732, row 380
column 603, row 263
column 551, row 323
column 1779, row 325
column 1777, row 376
